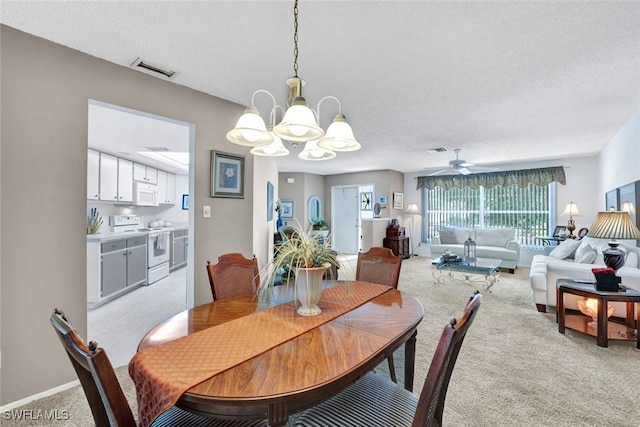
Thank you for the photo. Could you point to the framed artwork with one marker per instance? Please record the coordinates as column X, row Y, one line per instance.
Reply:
column 185, row 202
column 559, row 230
column 611, row 200
column 269, row 201
column 382, row 200
column 227, row 175
column 366, row 201
column 286, row 209
column 398, row 200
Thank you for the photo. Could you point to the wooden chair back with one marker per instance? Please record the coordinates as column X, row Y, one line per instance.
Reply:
column 233, row 275
column 431, row 403
column 107, row 401
column 379, row 265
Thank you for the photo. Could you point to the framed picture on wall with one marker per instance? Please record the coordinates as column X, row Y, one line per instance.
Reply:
column 269, row 201
column 185, row 202
column 398, row 200
column 286, row 209
column 382, row 200
column 227, row 175
column 611, row 200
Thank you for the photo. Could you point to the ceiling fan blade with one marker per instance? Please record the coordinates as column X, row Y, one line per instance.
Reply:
column 463, row 171
column 465, row 164
column 439, row 172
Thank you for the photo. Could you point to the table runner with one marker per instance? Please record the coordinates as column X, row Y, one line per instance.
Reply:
column 163, row 373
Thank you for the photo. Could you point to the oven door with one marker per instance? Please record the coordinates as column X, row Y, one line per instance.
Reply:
column 158, row 248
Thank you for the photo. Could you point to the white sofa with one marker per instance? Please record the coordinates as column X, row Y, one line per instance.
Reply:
column 496, row 243
column 562, row 263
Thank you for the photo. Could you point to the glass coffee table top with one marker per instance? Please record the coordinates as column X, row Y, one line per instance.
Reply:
column 470, row 270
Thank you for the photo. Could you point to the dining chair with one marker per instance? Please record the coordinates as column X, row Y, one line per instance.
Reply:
column 380, row 265
column 374, row 400
column 108, row 403
column 233, row 275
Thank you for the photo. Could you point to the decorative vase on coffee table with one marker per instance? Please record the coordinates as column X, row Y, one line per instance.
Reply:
column 308, row 289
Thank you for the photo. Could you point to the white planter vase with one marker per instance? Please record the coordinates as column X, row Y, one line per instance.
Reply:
column 308, row 289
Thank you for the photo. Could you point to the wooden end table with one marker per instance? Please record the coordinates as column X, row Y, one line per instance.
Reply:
column 579, row 322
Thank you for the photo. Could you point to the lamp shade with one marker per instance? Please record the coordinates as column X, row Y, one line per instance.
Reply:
column 614, row 225
column 571, row 210
column 299, row 123
column 628, row 207
column 276, row 148
column 250, row 130
column 314, row 153
column 412, row 209
column 339, row 136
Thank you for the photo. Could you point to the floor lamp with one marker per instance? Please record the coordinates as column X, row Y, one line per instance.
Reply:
column 412, row 210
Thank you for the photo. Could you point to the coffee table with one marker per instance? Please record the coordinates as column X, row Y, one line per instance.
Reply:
column 469, row 271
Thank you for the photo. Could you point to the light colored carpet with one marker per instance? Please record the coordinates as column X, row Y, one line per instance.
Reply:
column 514, row 368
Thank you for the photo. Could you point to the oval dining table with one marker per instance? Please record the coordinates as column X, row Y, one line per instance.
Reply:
column 286, row 375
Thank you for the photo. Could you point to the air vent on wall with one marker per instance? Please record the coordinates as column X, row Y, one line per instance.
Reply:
column 152, row 69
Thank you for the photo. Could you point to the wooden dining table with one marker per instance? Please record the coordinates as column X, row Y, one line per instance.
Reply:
column 270, row 362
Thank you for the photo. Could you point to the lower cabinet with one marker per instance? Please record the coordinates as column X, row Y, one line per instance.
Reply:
column 398, row 245
column 123, row 265
column 179, row 249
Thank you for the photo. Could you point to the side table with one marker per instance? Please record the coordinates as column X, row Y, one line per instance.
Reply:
column 579, row 322
column 398, row 245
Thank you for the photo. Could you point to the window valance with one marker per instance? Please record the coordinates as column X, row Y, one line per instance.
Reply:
column 521, row 178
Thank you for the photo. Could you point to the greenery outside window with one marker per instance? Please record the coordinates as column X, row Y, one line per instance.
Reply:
column 529, row 210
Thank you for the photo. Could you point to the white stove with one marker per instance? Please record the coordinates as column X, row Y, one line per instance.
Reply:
column 125, row 223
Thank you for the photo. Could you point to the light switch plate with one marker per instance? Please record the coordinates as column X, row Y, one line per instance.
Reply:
column 206, row 211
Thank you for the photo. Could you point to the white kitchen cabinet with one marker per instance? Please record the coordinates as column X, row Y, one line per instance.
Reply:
column 166, row 188
column 125, row 181
column 145, row 173
column 108, row 177
column 93, row 175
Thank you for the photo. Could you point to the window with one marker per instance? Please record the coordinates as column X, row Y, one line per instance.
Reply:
column 528, row 209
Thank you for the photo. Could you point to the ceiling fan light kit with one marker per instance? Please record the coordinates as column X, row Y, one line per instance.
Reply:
column 299, row 123
column 459, row 165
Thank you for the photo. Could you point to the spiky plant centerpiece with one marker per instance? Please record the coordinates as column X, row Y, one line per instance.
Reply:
column 301, row 256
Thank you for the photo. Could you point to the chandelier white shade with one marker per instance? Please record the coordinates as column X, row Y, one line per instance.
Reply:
column 339, row 136
column 314, row 153
column 299, row 123
column 276, row 148
column 250, row 130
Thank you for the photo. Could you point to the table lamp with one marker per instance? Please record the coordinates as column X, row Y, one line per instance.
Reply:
column 412, row 210
column 614, row 225
column 571, row 210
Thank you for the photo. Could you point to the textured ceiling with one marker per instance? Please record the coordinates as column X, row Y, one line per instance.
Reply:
column 503, row 81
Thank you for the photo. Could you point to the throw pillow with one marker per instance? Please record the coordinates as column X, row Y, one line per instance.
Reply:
column 494, row 236
column 447, row 236
column 566, row 249
column 585, row 254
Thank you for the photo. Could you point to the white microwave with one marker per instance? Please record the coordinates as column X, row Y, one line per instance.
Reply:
column 145, row 194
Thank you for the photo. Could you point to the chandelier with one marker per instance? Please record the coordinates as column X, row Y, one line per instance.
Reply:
column 299, row 123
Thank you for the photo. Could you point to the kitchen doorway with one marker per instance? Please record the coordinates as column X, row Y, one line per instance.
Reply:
column 148, row 142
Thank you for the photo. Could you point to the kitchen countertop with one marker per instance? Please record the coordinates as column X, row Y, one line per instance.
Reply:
column 105, row 236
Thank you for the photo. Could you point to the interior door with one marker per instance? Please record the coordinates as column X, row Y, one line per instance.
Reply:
column 345, row 219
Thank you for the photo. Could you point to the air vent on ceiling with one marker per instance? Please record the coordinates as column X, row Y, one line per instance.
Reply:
column 436, row 150
column 152, row 69
column 157, row 149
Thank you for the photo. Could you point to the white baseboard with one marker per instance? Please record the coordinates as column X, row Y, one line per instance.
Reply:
column 46, row 393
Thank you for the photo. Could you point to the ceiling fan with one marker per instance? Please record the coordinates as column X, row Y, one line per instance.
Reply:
column 461, row 166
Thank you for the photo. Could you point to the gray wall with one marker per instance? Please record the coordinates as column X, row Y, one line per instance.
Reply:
column 44, row 103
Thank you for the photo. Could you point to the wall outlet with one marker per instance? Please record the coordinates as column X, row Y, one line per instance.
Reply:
column 206, row 211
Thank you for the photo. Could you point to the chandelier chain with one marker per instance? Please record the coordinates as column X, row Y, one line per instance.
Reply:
column 295, row 39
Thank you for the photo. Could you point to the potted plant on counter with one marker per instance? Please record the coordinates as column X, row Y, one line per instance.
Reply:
column 302, row 258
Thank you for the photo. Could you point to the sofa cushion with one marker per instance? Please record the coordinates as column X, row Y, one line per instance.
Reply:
column 598, row 245
column 447, row 236
column 585, row 254
column 566, row 249
column 494, row 236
